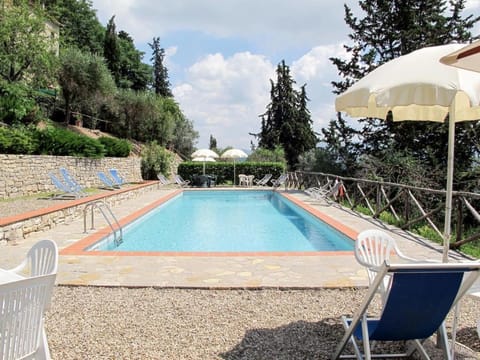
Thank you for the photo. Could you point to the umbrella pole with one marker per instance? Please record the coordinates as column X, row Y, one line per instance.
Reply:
column 203, row 167
column 448, row 199
column 234, row 177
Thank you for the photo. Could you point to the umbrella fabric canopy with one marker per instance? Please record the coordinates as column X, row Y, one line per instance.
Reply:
column 417, row 87
column 234, row 154
column 203, row 158
column 204, row 155
column 467, row 57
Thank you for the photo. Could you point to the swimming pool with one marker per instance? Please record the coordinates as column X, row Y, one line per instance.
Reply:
column 228, row 221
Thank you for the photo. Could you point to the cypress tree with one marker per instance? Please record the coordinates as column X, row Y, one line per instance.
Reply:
column 111, row 50
column 160, row 72
column 287, row 121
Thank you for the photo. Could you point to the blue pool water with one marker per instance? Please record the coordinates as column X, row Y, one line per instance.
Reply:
column 229, row 221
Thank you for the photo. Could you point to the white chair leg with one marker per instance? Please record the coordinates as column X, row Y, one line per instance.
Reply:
column 43, row 350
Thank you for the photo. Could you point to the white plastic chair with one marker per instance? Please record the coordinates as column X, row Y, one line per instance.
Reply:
column 41, row 259
column 372, row 248
column 22, row 305
column 242, row 180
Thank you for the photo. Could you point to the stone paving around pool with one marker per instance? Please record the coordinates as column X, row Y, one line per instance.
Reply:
column 224, row 271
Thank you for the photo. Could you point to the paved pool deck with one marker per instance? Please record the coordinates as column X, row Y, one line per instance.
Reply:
column 219, row 271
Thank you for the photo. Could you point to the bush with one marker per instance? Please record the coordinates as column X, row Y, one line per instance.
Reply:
column 18, row 140
column 115, row 147
column 155, row 159
column 61, row 142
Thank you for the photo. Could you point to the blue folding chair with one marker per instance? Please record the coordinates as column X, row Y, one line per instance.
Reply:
column 106, row 181
column 116, row 177
column 66, row 191
column 72, row 183
column 419, row 299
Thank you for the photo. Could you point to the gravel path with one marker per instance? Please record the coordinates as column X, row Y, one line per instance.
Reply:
column 123, row 323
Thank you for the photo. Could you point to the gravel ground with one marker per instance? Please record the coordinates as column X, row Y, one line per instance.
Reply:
column 147, row 323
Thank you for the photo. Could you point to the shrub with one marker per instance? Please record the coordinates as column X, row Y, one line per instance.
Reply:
column 115, row 147
column 61, row 142
column 428, row 233
column 18, row 140
column 388, row 218
column 155, row 159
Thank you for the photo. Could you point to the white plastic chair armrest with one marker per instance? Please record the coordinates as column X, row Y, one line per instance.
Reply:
column 21, row 267
column 412, row 260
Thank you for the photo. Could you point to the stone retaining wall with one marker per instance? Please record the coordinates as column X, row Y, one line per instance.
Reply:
column 23, row 175
column 19, row 228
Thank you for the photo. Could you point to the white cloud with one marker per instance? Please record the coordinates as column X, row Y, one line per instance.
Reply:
column 472, row 4
column 224, row 96
column 316, row 70
column 282, row 22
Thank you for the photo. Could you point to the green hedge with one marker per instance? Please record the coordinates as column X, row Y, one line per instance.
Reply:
column 115, row 147
column 18, row 140
column 224, row 170
column 61, row 142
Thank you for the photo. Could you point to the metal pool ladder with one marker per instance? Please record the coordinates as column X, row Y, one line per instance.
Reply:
column 109, row 217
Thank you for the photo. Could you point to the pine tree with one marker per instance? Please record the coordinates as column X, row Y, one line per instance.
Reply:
column 390, row 29
column 287, row 121
column 160, row 72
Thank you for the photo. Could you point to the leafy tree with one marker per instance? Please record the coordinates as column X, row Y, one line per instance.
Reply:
column 83, row 78
column 147, row 117
column 26, row 53
column 341, row 145
column 184, row 135
column 111, row 50
column 155, row 159
column 320, row 160
column 133, row 74
column 16, row 102
column 287, row 121
column 160, row 72
column 267, row 155
column 80, row 26
column 133, row 108
column 387, row 30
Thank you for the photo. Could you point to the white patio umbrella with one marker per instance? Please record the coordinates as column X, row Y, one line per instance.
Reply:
column 418, row 87
column 467, row 57
column 204, row 159
column 234, row 154
column 204, row 155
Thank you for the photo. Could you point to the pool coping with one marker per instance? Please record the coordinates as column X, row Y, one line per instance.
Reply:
column 79, row 247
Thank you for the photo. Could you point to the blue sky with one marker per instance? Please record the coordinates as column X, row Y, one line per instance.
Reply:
column 221, row 55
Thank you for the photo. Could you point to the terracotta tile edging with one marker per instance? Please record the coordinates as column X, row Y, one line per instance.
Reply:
column 79, row 247
column 352, row 234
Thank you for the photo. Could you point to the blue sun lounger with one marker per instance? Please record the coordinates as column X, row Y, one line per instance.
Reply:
column 419, row 299
column 109, row 184
column 72, row 183
column 116, row 177
column 66, row 192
